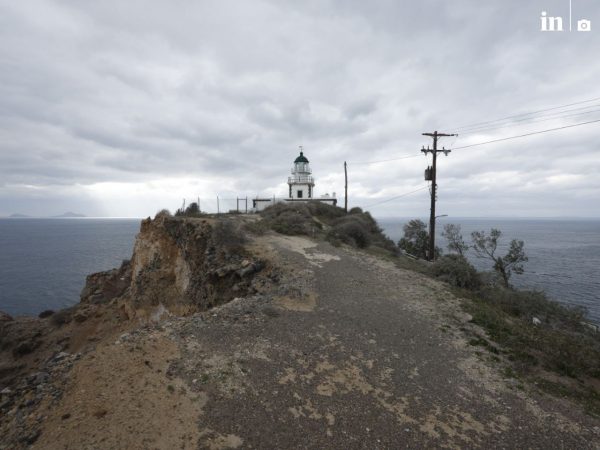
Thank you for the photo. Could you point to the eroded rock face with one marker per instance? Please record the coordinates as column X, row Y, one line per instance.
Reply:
column 182, row 265
column 102, row 287
column 189, row 265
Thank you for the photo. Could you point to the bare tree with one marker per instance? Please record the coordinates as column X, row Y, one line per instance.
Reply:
column 455, row 239
column 512, row 262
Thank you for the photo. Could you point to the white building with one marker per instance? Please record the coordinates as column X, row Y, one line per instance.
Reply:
column 301, row 187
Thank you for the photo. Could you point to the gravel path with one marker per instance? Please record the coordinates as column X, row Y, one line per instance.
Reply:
column 356, row 353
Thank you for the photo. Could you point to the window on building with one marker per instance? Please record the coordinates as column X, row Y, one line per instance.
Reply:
column 299, row 194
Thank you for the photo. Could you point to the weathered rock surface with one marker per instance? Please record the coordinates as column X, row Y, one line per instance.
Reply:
column 101, row 287
column 189, row 265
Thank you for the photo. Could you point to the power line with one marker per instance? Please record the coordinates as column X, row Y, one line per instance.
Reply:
column 396, row 197
column 544, row 119
column 527, row 134
column 525, row 118
column 363, row 163
column 525, row 114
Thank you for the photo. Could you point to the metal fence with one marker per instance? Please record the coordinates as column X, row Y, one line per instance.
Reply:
column 219, row 205
column 243, row 205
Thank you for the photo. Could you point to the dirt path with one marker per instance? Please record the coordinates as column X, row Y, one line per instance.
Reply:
column 349, row 352
column 365, row 355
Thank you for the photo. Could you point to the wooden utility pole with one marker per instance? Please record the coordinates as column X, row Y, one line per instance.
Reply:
column 346, row 187
column 435, row 135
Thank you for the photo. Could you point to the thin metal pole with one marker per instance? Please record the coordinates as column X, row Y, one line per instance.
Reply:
column 346, row 187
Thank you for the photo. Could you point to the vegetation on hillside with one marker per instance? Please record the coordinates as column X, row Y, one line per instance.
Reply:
column 415, row 241
column 537, row 336
column 355, row 228
column 192, row 210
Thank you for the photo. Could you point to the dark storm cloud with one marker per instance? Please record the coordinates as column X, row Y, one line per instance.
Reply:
column 96, row 96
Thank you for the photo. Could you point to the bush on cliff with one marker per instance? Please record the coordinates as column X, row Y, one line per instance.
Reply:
column 351, row 230
column 415, row 241
column 325, row 212
column 192, row 210
column 357, row 228
column 457, row 271
column 290, row 219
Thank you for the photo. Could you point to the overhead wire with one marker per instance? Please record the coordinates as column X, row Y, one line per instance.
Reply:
column 523, row 114
column 529, row 120
column 364, row 163
column 397, row 197
column 480, row 126
column 526, row 134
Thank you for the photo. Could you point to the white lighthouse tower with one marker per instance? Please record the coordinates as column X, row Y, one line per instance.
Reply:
column 301, row 182
column 301, row 187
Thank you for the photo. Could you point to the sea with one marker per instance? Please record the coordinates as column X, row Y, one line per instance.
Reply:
column 44, row 262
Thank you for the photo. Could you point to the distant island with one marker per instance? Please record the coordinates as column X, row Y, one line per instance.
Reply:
column 69, row 214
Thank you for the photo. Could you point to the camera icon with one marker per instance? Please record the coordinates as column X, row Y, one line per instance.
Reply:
column 584, row 25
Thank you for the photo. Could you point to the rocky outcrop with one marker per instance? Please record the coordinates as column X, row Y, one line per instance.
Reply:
column 179, row 265
column 189, row 265
column 101, row 287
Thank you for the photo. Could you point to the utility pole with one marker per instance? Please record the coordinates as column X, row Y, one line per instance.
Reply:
column 435, row 135
column 346, row 187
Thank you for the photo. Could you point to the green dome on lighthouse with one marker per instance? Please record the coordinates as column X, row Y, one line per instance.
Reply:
column 301, row 158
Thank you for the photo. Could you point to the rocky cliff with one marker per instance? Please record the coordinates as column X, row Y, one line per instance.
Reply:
column 179, row 266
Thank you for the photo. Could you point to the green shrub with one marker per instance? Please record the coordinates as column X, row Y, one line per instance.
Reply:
column 456, row 270
column 529, row 304
column 352, row 232
column 415, row 241
column 290, row 219
column 324, row 211
column 357, row 228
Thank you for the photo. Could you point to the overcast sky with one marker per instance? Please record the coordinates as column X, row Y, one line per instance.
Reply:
column 121, row 108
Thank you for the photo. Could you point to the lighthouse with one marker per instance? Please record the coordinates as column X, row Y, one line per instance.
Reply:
column 301, row 187
column 301, row 183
